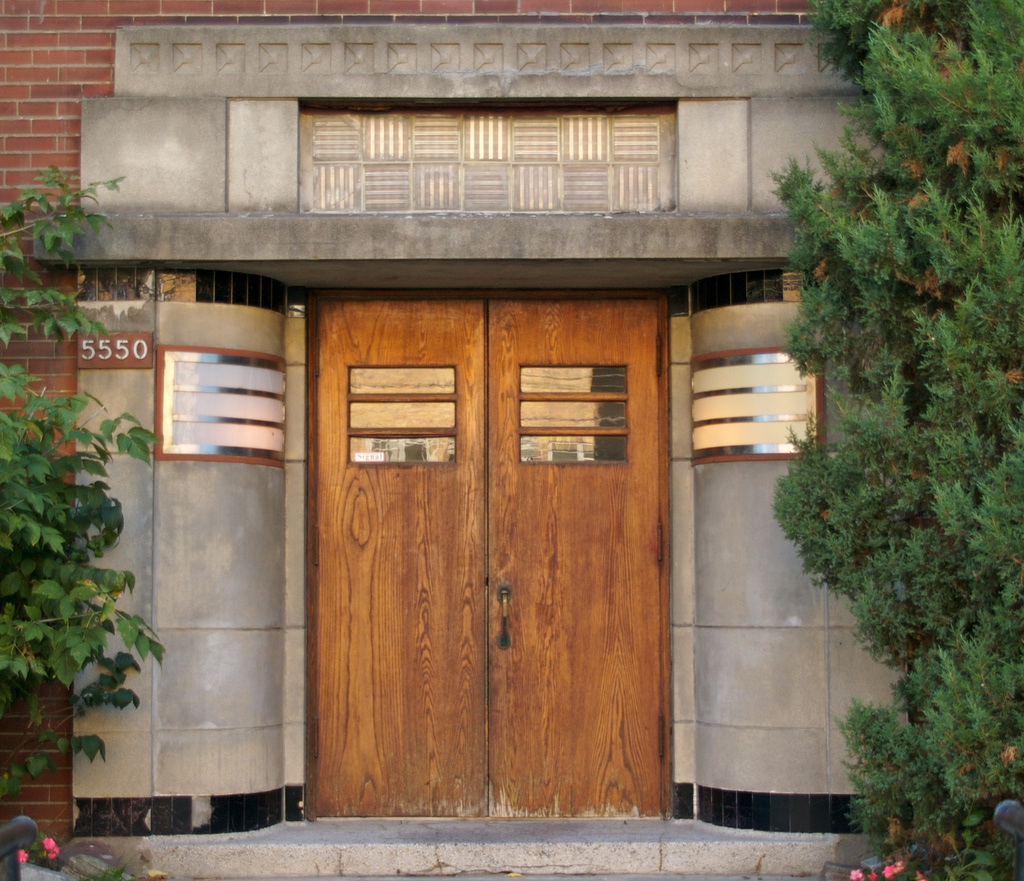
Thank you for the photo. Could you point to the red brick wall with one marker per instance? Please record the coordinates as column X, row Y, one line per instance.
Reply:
column 47, row 799
column 54, row 364
column 55, row 52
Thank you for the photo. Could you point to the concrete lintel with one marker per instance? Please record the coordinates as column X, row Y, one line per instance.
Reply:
column 449, row 251
column 443, row 62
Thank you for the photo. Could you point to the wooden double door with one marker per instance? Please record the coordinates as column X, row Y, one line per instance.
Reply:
column 487, row 610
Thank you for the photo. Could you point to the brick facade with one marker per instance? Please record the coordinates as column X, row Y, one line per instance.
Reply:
column 55, row 52
column 47, row 800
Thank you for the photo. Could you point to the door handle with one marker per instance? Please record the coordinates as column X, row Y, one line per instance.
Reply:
column 504, row 639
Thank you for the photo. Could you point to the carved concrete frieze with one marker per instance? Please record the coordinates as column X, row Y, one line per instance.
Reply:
column 470, row 61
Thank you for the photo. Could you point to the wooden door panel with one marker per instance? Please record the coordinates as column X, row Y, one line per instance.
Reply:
column 397, row 636
column 576, row 700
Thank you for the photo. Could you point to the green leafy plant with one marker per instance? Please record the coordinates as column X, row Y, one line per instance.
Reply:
column 910, row 239
column 58, row 607
column 972, row 862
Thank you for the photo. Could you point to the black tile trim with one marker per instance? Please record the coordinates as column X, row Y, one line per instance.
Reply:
column 244, row 812
column 172, row 814
column 295, row 804
column 682, row 801
column 768, row 811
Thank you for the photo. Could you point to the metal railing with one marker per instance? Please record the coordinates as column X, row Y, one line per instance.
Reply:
column 1009, row 817
column 14, row 836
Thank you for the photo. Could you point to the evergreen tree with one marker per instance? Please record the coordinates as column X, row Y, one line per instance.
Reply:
column 911, row 244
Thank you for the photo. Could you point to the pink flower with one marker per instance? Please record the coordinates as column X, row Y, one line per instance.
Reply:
column 856, row 875
column 50, row 846
column 22, row 856
column 894, row 869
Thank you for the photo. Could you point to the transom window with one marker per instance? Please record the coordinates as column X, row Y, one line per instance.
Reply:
column 514, row 161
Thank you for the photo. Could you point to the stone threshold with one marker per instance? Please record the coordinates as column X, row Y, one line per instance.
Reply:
column 429, row 847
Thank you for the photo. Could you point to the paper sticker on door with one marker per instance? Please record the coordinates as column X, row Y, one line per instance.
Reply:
column 407, row 450
column 369, row 456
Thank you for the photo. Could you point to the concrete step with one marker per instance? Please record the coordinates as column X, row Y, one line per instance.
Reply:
column 538, row 878
column 624, row 849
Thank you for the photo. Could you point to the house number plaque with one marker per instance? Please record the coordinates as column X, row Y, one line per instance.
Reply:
column 120, row 351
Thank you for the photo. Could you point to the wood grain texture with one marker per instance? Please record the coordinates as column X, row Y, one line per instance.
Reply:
column 398, row 635
column 575, row 702
column 417, row 711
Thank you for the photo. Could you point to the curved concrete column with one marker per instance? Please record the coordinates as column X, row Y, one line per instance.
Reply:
column 775, row 661
column 761, row 677
column 218, row 576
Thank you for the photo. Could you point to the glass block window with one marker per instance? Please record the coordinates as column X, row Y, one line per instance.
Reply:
column 514, row 161
column 739, row 288
column 116, row 283
column 181, row 285
column 749, row 403
column 220, row 404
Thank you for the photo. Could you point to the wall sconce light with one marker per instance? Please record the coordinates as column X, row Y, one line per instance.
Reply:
column 747, row 404
column 220, row 404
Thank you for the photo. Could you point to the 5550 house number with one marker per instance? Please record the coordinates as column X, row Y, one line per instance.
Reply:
column 122, row 351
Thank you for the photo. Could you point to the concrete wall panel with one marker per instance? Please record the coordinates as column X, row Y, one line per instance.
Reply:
column 681, row 432
column 221, row 326
column 784, row 128
column 170, row 153
column 263, row 156
column 191, row 762
column 220, row 545
column 682, row 669
column 295, row 676
column 219, row 679
column 126, row 773
column 122, row 315
column 136, row 720
column 684, row 769
column 762, row 759
column 760, row 678
column 854, row 674
column 714, row 156
column 761, row 664
column 120, row 391
column 131, row 482
column 295, row 340
column 294, row 753
column 751, row 326
column 749, row 574
column 679, row 339
column 295, row 544
column 295, row 408
column 681, row 578
column 837, row 757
